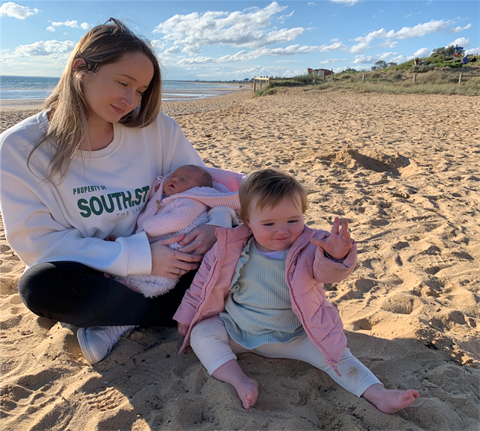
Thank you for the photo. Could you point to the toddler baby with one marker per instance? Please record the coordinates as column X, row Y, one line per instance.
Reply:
column 260, row 290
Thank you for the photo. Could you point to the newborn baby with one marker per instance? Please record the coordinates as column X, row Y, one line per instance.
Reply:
column 180, row 202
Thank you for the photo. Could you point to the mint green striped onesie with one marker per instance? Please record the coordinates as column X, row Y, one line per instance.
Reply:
column 258, row 309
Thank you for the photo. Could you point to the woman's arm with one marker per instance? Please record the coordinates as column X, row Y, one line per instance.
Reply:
column 202, row 238
column 36, row 236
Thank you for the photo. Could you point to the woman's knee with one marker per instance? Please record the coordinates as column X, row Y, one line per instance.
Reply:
column 48, row 287
column 31, row 286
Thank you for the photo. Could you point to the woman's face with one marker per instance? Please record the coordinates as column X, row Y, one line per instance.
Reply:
column 116, row 88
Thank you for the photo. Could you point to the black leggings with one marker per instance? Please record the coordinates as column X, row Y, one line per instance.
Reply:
column 73, row 293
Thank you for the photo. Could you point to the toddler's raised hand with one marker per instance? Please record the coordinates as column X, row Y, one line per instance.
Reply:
column 339, row 242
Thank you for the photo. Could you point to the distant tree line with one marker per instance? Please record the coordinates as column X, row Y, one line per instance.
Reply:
column 445, row 51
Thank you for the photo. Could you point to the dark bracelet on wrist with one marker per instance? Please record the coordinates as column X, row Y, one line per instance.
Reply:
column 335, row 260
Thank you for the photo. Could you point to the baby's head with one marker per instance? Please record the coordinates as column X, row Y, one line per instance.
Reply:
column 186, row 177
column 272, row 204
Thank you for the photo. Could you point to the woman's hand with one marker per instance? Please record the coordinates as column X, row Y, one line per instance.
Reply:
column 339, row 243
column 172, row 263
column 182, row 329
column 199, row 240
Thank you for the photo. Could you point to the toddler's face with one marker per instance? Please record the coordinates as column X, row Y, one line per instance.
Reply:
column 181, row 179
column 277, row 228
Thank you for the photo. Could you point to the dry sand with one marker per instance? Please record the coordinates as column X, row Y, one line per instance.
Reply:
column 404, row 169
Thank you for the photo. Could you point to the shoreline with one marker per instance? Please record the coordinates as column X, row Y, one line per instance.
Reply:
column 167, row 96
column 13, row 113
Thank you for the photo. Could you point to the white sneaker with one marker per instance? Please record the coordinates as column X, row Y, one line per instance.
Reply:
column 97, row 341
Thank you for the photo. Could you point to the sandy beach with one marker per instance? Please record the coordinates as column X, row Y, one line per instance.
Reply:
column 405, row 171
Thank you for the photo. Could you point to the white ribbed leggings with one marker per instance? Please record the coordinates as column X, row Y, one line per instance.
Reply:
column 214, row 347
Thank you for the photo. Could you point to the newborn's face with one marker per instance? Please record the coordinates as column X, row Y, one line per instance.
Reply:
column 180, row 180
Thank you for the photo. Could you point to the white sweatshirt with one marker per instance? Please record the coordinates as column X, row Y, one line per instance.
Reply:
column 102, row 195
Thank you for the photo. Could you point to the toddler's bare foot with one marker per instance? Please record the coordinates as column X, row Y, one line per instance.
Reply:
column 247, row 391
column 247, row 388
column 389, row 401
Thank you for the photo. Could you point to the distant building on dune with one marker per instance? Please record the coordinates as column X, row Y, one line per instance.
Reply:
column 319, row 72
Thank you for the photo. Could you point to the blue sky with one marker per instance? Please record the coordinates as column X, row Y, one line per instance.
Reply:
column 227, row 40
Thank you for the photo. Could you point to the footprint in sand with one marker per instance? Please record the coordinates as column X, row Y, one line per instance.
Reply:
column 401, row 304
column 109, row 399
column 42, row 380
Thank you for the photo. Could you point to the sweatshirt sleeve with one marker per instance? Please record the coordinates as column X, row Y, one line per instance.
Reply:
column 222, row 216
column 35, row 235
column 325, row 270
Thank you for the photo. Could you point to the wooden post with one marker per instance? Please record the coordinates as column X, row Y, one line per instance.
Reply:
column 363, row 78
column 254, row 85
column 460, row 79
column 414, row 78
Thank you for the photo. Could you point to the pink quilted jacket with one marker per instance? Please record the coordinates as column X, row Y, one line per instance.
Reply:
column 306, row 269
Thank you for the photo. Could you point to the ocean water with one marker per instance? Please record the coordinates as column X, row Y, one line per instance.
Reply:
column 34, row 88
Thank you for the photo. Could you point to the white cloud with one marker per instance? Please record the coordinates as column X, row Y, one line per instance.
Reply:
column 283, row 18
column 252, row 55
column 157, row 44
column 335, row 45
column 412, row 13
column 43, row 58
column 47, row 48
column 459, row 29
column 346, row 2
column 419, row 30
column 172, row 50
column 287, row 61
column 71, row 24
column 342, row 68
column 372, row 59
column 332, row 61
column 461, row 41
column 359, row 47
column 250, row 72
column 365, row 59
column 370, row 36
column 386, row 55
column 389, row 44
column 251, row 28
column 401, row 59
column 473, row 51
column 423, row 52
column 311, row 3
column 14, row 10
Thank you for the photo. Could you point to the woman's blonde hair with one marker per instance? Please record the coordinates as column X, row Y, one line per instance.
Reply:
column 270, row 186
column 68, row 115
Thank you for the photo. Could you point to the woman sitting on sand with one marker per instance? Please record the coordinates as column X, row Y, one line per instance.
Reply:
column 79, row 172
